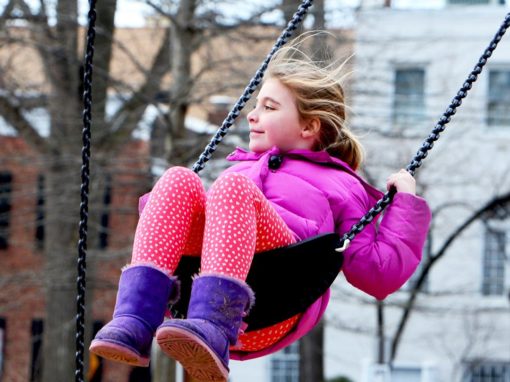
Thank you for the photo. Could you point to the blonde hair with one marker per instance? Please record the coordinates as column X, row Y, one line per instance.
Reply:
column 319, row 94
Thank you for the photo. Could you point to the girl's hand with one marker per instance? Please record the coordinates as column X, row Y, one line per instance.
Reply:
column 402, row 181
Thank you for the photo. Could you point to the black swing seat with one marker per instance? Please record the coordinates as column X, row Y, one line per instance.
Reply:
column 286, row 281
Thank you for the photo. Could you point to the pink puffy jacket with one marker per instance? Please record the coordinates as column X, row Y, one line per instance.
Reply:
column 316, row 193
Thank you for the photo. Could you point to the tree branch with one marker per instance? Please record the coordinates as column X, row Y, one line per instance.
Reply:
column 485, row 212
column 12, row 113
column 9, row 8
column 161, row 11
column 126, row 119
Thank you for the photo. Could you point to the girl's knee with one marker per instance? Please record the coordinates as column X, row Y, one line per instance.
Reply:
column 178, row 179
column 232, row 180
column 182, row 174
column 178, row 171
column 233, row 187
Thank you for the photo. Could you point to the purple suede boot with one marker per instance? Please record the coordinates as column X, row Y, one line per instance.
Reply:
column 201, row 341
column 142, row 298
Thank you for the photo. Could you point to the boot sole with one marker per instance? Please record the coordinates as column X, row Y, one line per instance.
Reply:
column 118, row 353
column 193, row 354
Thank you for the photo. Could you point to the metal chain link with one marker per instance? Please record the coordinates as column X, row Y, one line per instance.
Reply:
column 252, row 86
column 85, row 172
column 429, row 141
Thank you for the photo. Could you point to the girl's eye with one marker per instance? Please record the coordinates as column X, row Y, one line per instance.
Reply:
column 267, row 107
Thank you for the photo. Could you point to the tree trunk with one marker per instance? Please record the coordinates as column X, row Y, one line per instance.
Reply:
column 63, row 181
column 321, row 50
column 163, row 367
column 381, row 353
column 62, row 207
column 311, row 365
column 311, row 348
column 183, row 35
column 289, row 7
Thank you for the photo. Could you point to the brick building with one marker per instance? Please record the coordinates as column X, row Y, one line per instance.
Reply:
column 22, row 305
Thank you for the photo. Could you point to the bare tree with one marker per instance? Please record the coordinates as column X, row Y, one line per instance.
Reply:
column 496, row 208
column 58, row 49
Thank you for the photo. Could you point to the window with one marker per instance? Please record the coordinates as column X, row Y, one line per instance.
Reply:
column 475, row 2
column 487, row 371
column 5, row 207
column 498, row 100
column 2, row 345
column 36, row 366
column 285, row 364
column 468, row 2
column 409, row 98
column 405, row 374
column 493, row 276
column 401, row 373
column 105, row 215
column 39, row 213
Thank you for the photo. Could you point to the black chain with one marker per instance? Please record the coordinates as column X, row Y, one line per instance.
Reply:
column 252, row 86
column 199, row 165
column 85, row 171
column 434, row 136
column 218, row 137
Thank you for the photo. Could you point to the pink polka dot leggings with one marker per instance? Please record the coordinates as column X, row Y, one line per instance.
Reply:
column 226, row 226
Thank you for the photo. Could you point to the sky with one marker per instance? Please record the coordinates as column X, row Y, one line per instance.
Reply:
column 133, row 13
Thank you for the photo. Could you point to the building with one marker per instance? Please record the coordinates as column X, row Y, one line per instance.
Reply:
column 409, row 63
column 22, row 305
column 22, row 201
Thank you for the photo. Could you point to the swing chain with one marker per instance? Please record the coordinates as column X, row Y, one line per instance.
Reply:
column 457, row 100
column 252, row 86
column 422, row 153
column 85, row 180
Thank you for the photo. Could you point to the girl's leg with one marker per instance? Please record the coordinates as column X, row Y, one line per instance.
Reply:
column 239, row 222
column 172, row 222
column 173, row 216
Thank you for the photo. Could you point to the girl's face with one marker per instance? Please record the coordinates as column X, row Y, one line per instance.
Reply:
column 275, row 120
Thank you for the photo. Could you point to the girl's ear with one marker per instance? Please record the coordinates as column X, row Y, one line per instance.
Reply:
column 311, row 128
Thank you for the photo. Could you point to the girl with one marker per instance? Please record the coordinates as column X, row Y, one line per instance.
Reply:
column 298, row 180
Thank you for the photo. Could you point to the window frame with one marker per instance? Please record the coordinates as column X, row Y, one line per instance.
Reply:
column 3, row 341
column 286, row 357
column 6, row 187
column 403, row 112
column 469, row 2
column 469, row 367
column 39, row 233
column 494, row 273
column 105, row 222
column 36, row 361
column 495, row 100
column 406, row 368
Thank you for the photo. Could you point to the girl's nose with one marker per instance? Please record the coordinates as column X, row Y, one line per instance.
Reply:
column 252, row 116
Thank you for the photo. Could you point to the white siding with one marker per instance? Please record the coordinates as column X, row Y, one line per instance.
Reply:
column 469, row 165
